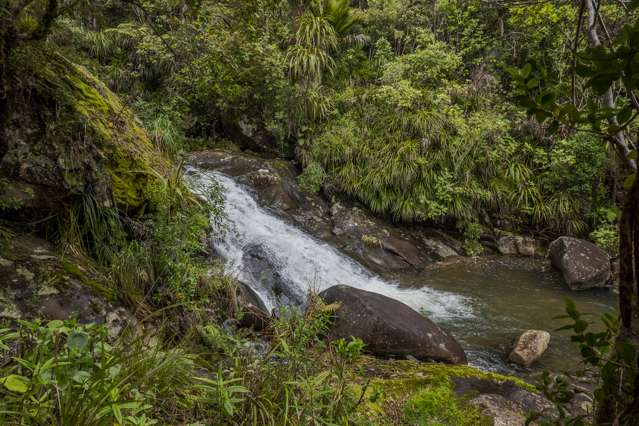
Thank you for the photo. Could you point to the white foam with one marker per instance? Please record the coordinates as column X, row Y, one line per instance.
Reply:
column 302, row 259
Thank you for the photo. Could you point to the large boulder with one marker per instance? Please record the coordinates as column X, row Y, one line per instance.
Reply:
column 583, row 264
column 530, row 346
column 389, row 327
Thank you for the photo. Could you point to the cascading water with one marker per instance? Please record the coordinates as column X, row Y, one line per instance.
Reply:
column 301, row 260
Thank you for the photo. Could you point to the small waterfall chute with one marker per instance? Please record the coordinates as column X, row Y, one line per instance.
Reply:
column 299, row 260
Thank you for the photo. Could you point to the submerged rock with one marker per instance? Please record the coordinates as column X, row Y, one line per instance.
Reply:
column 389, row 327
column 582, row 264
column 262, row 267
column 530, row 346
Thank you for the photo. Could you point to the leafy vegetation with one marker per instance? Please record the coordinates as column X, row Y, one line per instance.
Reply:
column 413, row 108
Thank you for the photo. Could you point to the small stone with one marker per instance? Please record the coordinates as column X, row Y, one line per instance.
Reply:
column 5, row 262
column 117, row 321
column 25, row 273
column 48, row 291
column 516, row 245
column 41, row 257
column 530, row 346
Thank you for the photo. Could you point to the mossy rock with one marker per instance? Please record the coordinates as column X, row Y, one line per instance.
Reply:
column 38, row 281
column 417, row 393
column 69, row 133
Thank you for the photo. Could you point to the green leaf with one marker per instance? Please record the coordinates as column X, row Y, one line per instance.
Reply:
column 15, row 383
column 627, row 352
column 632, row 155
column 55, row 324
column 77, row 340
column 584, row 71
column 601, row 82
column 547, row 98
column 625, row 114
column 630, row 180
column 532, row 83
column 525, row 71
column 117, row 413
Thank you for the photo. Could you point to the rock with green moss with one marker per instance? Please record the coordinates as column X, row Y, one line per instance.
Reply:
column 70, row 135
column 416, row 393
column 38, row 281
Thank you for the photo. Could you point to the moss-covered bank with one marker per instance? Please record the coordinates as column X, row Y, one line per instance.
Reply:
column 69, row 133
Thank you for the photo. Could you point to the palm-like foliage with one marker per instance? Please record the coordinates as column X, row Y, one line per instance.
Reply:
column 340, row 15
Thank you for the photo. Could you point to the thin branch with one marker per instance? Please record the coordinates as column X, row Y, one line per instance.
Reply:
column 574, row 51
column 634, row 100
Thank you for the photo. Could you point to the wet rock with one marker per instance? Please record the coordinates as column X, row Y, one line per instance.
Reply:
column 389, row 327
column 253, row 313
column 530, row 346
column 502, row 411
column 438, row 249
column 516, row 245
column 262, row 267
column 381, row 246
column 275, row 183
column 582, row 264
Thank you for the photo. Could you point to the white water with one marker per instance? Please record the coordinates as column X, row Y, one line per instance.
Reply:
column 303, row 260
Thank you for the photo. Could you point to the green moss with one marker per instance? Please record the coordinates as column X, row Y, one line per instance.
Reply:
column 73, row 270
column 409, row 392
column 439, row 406
column 98, row 138
column 370, row 240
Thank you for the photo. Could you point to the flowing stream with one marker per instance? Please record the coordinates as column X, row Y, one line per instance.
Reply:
column 302, row 260
column 485, row 304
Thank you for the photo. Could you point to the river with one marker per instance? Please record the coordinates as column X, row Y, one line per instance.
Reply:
column 484, row 302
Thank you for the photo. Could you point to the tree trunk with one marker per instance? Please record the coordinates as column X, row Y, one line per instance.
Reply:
column 608, row 99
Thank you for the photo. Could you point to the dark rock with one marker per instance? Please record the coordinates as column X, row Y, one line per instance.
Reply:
column 439, row 250
column 583, row 264
column 38, row 282
column 253, row 313
column 389, row 327
column 262, row 266
column 504, row 401
column 77, row 139
column 381, row 246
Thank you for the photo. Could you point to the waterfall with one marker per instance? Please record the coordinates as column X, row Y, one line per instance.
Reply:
column 303, row 261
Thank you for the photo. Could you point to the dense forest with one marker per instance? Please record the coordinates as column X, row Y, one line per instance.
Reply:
column 144, row 143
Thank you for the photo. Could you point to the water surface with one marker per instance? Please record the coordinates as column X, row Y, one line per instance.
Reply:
column 508, row 295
